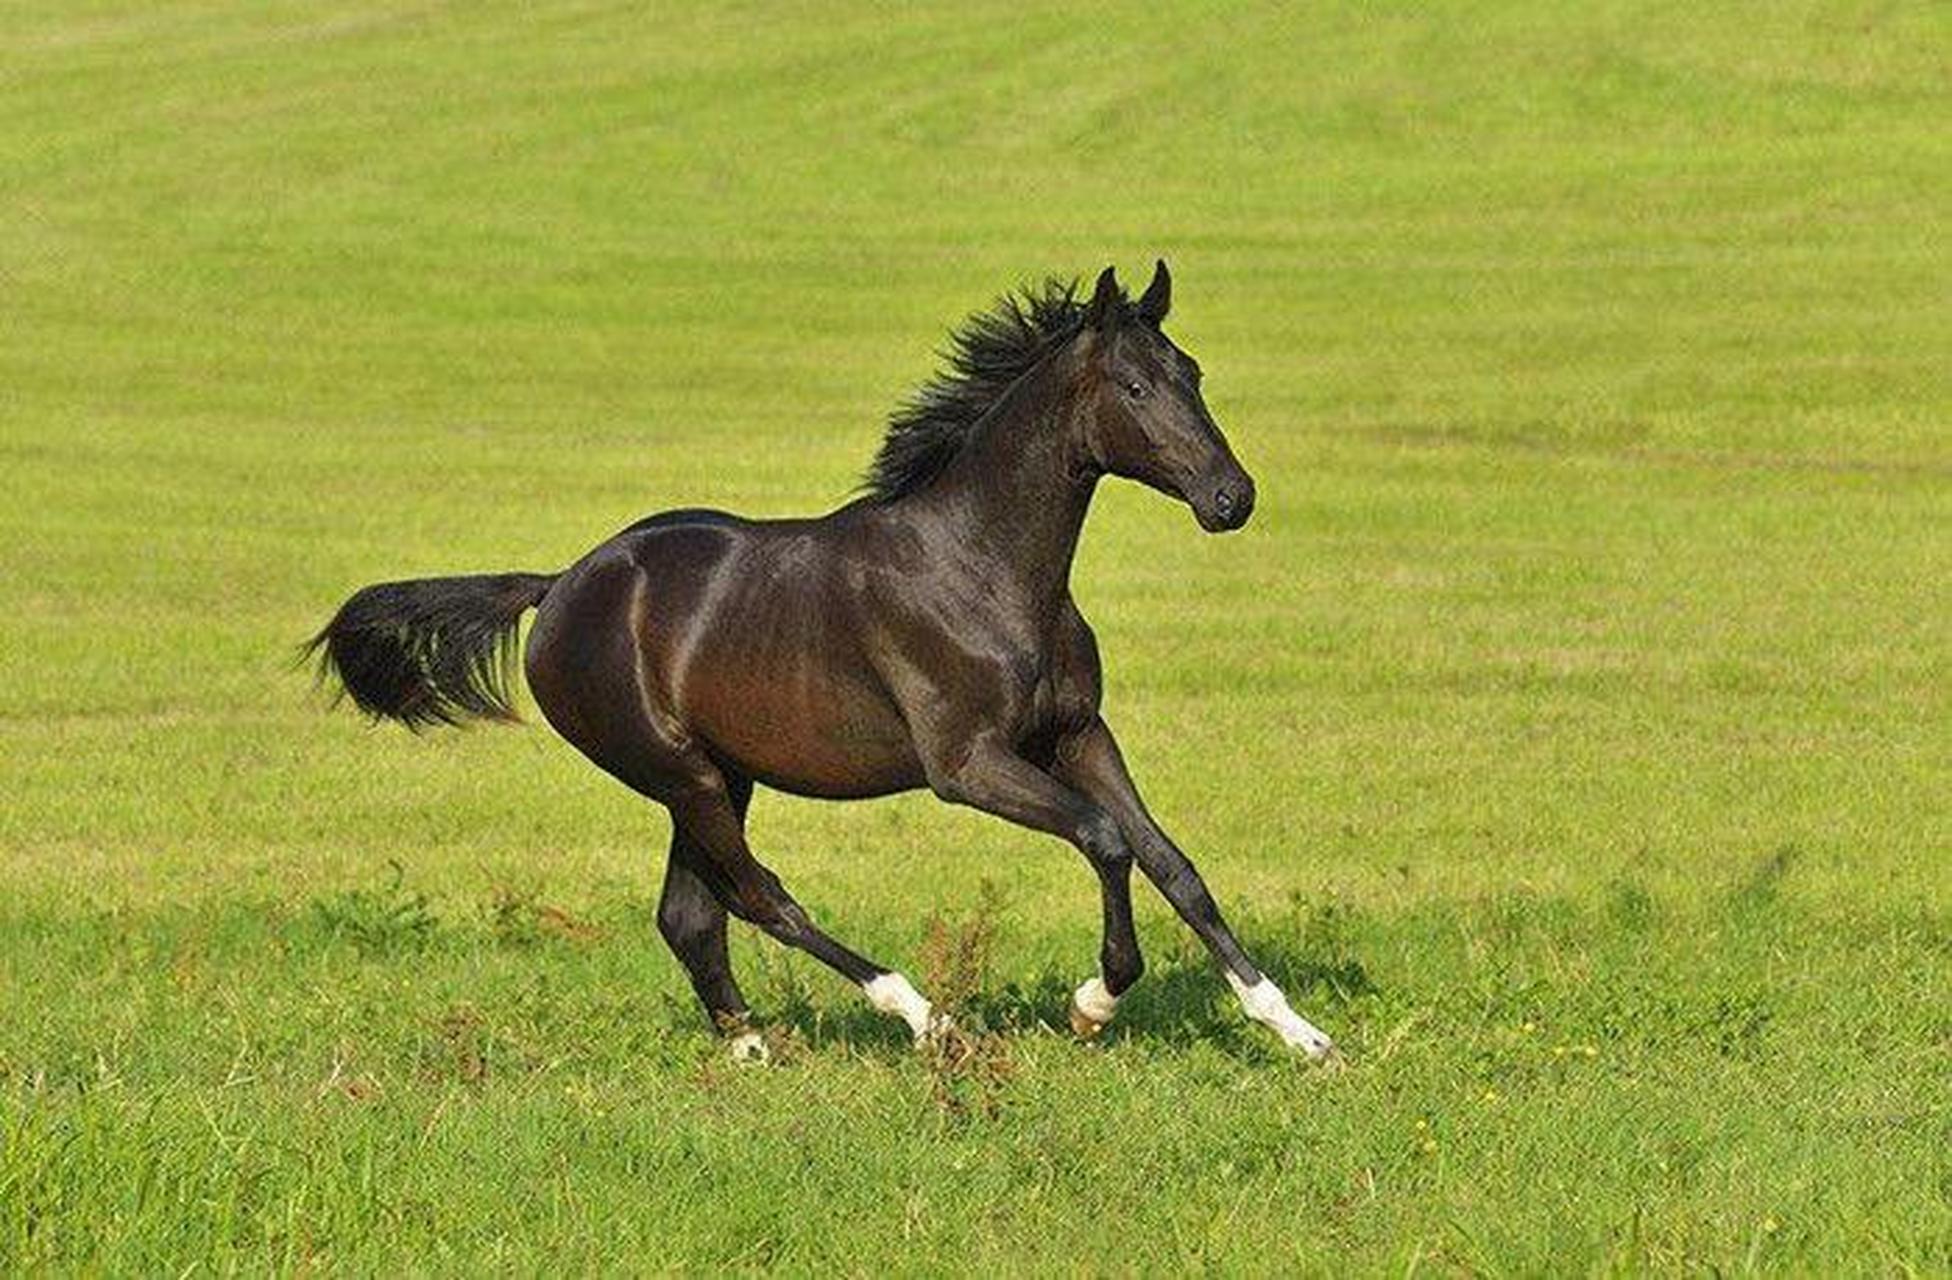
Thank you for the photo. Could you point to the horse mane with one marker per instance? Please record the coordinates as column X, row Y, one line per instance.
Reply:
column 984, row 356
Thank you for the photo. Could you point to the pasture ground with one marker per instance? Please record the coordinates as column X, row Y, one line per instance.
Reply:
column 1567, row 732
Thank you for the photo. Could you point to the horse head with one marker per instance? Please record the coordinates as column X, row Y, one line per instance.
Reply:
column 1144, row 416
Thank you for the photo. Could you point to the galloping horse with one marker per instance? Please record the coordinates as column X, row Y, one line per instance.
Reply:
column 922, row 635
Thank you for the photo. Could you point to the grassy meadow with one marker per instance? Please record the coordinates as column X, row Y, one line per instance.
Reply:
column 1568, row 732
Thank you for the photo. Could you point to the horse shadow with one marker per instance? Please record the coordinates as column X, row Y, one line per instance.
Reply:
column 1183, row 1000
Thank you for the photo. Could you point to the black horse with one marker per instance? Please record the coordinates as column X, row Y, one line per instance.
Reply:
column 922, row 635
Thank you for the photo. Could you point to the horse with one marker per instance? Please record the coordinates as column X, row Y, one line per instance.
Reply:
column 922, row 635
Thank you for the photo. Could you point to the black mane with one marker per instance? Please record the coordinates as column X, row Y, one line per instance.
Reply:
column 990, row 351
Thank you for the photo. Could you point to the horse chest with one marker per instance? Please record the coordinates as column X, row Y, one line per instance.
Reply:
column 1043, row 692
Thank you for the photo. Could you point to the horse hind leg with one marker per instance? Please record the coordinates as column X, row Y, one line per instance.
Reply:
column 583, row 677
column 692, row 922
column 750, row 891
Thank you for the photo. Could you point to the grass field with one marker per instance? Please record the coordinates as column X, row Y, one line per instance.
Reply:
column 1568, row 732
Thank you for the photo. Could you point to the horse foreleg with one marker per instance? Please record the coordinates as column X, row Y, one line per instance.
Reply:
column 994, row 779
column 1095, row 1002
column 1092, row 762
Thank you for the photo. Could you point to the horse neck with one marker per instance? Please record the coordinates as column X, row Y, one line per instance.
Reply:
column 1017, row 492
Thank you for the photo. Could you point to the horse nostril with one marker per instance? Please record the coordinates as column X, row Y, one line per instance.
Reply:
column 1232, row 503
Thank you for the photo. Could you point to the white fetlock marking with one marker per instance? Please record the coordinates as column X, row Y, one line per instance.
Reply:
column 891, row 993
column 1265, row 1004
column 749, row 1046
column 1095, row 1001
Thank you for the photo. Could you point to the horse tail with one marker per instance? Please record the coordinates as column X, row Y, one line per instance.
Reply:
column 429, row 652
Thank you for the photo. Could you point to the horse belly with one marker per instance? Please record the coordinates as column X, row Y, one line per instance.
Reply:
column 829, row 737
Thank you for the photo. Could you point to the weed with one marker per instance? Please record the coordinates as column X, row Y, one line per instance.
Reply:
column 1629, row 907
column 457, row 1046
column 956, row 956
column 517, row 917
column 1760, row 890
column 969, row 1065
column 381, row 921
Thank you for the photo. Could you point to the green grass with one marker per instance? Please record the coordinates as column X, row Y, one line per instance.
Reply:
column 1567, row 732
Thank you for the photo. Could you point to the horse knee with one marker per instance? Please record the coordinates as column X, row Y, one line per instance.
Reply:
column 684, row 924
column 1102, row 842
column 782, row 919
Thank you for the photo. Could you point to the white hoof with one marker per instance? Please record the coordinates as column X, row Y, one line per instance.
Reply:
column 749, row 1048
column 1264, row 1003
column 1092, row 1007
column 892, row 993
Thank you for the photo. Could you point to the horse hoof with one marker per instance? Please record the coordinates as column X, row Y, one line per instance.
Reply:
column 1092, row 1007
column 941, row 1030
column 748, row 1048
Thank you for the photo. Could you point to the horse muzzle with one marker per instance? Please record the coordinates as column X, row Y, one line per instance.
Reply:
column 1222, row 505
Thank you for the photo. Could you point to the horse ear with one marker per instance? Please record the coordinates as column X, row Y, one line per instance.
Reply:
column 1101, row 312
column 1158, row 299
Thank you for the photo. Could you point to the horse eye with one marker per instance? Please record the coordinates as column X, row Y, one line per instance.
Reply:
column 1135, row 390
